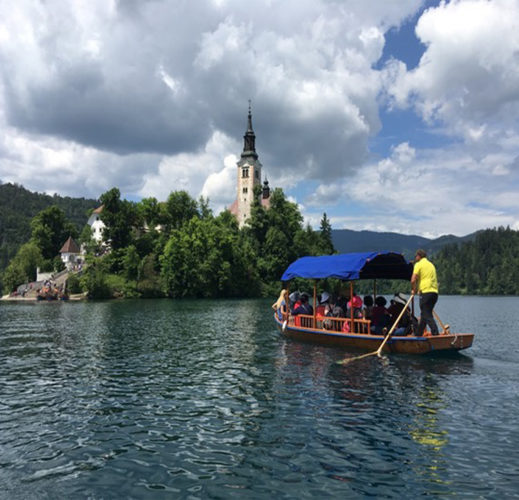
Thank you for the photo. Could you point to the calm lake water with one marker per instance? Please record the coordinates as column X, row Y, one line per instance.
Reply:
column 204, row 399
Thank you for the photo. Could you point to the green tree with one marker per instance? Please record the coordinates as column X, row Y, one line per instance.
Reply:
column 326, row 236
column 131, row 262
column 207, row 258
column 49, row 231
column 87, row 240
column 148, row 210
column 178, row 209
column 119, row 217
column 22, row 268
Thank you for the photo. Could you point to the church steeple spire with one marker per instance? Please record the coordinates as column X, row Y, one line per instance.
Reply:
column 249, row 139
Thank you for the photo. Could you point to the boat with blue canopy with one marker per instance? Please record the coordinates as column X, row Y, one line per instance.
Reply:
column 353, row 331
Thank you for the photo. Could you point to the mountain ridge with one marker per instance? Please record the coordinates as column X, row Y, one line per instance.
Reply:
column 348, row 240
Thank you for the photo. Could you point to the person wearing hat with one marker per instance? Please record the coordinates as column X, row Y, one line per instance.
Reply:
column 323, row 303
column 425, row 283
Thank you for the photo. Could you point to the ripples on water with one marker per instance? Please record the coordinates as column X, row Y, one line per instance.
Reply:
column 163, row 399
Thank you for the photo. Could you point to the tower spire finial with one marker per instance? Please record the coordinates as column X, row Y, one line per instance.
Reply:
column 249, row 139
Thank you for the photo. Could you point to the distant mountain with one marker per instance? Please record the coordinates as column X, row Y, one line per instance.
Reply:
column 347, row 240
column 19, row 205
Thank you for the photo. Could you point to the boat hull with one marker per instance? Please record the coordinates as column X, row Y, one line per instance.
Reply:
column 365, row 342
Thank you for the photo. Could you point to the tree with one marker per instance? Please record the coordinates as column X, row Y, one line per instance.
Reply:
column 326, row 236
column 178, row 209
column 131, row 262
column 119, row 217
column 86, row 239
column 148, row 210
column 208, row 258
column 22, row 268
column 49, row 231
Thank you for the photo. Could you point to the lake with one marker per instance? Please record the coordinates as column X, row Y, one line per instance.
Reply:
column 204, row 399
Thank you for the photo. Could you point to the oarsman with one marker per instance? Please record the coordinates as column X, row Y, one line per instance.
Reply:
column 425, row 283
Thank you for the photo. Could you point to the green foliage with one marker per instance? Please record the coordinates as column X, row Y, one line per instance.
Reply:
column 120, row 218
column 194, row 254
column 178, row 209
column 131, row 261
column 22, row 268
column 94, row 281
column 326, row 236
column 149, row 284
column 488, row 265
column 73, row 284
column 86, row 239
column 148, row 210
column 278, row 237
column 49, row 231
column 207, row 258
column 18, row 206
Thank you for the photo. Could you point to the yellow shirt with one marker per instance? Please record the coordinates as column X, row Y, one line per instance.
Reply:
column 426, row 273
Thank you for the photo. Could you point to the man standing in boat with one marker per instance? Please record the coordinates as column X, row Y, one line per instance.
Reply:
column 424, row 282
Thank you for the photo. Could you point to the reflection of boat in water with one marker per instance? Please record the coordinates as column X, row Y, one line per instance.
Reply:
column 355, row 332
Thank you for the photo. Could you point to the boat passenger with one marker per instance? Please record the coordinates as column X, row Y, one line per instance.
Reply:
column 356, row 303
column 294, row 298
column 408, row 323
column 379, row 317
column 368, row 307
column 304, row 307
column 333, row 310
column 323, row 303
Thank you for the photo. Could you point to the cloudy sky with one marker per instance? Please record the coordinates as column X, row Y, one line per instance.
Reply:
column 388, row 115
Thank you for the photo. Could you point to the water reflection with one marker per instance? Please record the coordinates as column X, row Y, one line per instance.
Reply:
column 426, row 430
column 205, row 399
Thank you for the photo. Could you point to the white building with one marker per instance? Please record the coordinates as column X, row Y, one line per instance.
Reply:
column 70, row 254
column 96, row 224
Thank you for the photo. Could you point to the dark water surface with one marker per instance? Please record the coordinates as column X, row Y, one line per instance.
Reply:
column 164, row 399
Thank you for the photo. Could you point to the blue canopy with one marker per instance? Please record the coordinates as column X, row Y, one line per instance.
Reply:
column 351, row 266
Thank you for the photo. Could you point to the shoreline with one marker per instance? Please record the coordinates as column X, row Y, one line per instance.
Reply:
column 72, row 298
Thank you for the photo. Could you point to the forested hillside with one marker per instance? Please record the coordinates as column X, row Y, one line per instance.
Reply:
column 347, row 240
column 19, row 205
column 488, row 265
column 194, row 254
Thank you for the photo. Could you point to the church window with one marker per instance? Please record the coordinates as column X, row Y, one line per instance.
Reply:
column 257, row 174
column 245, row 172
column 245, row 190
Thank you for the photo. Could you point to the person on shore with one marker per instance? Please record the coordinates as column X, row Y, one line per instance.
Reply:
column 425, row 283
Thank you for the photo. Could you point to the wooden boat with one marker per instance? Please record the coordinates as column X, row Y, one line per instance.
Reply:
column 330, row 331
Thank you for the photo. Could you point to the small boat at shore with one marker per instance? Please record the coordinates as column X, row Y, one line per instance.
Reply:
column 352, row 332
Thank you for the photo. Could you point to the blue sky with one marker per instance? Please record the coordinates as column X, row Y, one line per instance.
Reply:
column 390, row 116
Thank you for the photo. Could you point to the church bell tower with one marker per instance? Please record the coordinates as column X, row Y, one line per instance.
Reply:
column 249, row 173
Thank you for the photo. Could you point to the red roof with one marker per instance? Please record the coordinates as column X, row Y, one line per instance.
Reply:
column 70, row 246
column 234, row 208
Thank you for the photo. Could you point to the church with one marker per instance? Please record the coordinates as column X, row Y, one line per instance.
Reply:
column 248, row 177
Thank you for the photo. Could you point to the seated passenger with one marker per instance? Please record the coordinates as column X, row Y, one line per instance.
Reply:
column 408, row 323
column 321, row 308
column 356, row 303
column 295, row 300
column 304, row 307
column 379, row 316
column 333, row 310
column 368, row 307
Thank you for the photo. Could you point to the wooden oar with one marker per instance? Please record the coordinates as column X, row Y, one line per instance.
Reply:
column 446, row 328
column 378, row 352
